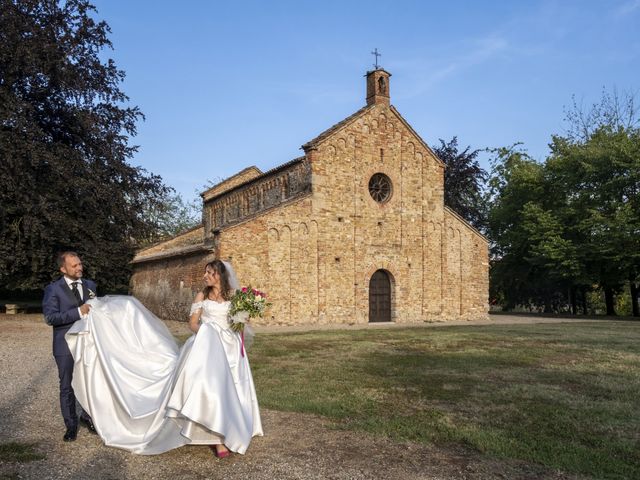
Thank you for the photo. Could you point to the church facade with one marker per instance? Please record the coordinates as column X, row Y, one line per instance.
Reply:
column 354, row 231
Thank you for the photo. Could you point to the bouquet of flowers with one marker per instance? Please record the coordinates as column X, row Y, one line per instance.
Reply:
column 246, row 303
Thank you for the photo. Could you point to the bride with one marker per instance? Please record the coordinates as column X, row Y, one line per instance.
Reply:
column 147, row 397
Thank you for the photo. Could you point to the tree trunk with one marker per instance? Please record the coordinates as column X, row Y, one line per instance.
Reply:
column 547, row 304
column 583, row 291
column 634, row 287
column 573, row 300
column 609, row 301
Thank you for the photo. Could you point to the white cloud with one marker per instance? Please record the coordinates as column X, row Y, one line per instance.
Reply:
column 627, row 8
column 478, row 52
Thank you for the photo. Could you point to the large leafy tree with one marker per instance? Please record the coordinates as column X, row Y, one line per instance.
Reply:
column 597, row 163
column 464, row 180
column 600, row 182
column 65, row 129
column 560, row 227
column 517, row 190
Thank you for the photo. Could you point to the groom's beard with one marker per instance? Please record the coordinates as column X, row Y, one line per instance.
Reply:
column 72, row 277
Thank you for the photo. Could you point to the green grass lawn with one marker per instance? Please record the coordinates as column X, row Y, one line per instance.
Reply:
column 566, row 396
column 19, row 452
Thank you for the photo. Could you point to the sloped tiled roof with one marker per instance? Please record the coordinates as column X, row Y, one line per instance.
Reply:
column 184, row 243
column 259, row 177
column 218, row 188
column 172, row 253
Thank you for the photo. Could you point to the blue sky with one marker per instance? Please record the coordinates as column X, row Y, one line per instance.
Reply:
column 226, row 85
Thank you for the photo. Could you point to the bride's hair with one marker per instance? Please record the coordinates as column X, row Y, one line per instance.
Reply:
column 219, row 267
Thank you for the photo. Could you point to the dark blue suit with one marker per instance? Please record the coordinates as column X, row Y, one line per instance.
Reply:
column 60, row 308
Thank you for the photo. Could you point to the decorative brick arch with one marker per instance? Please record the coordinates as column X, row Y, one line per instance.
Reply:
column 274, row 234
column 331, row 151
column 382, row 265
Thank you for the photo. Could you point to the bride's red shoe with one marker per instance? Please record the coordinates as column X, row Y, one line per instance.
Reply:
column 219, row 454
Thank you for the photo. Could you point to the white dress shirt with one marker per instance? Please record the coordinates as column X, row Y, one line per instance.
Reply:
column 79, row 282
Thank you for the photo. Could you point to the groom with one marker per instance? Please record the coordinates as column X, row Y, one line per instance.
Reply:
column 63, row 304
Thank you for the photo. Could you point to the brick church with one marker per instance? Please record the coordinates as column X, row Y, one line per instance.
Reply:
column 354, row 231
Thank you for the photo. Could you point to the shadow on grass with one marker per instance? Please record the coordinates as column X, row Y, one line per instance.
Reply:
column 564, row 396
column 14, row 452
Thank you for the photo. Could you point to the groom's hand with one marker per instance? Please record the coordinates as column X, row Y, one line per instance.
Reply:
column 84, row 308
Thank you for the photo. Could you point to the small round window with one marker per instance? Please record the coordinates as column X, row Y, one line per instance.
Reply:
column 380, row 187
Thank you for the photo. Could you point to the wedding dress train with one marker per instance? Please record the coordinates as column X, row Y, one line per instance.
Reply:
column 146, row 396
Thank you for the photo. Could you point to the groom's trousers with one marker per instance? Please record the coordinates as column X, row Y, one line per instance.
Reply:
column 67, row 397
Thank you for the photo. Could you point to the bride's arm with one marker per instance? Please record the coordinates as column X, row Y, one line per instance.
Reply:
column 196, row 312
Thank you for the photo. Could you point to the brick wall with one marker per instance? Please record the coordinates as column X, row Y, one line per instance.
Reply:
column 168, row 286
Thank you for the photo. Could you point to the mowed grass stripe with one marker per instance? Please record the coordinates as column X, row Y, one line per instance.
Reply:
column 564, row 395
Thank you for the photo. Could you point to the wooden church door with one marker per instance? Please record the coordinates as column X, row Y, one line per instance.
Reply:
column 380, row 297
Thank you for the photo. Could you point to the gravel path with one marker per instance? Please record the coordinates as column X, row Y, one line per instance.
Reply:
column 295, row 446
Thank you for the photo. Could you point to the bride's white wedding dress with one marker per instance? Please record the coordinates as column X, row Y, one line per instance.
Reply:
column 146, row 396
column 214, row 389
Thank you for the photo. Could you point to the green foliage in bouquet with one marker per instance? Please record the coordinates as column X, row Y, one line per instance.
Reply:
column 246, row 303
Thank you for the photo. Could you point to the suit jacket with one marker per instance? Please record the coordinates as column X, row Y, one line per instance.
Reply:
column 60, row 308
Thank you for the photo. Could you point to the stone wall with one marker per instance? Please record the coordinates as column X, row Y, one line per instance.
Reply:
column 277, row 252
column 360, row 235
column 466, row 289
column 271, row 190
column 168, row 286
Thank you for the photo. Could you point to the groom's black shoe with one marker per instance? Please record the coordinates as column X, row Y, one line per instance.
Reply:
column 86, row 421
column 71, row 434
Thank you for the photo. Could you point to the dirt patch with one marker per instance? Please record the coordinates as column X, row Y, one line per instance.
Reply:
column 295, row 446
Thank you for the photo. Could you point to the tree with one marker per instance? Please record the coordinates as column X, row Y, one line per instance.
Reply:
column 64, row 144
column 600, row 159
column 600, row 180
column 464, row 180
column 172, row 216
column 560, row 227
column 516, row 193
column 615, row 111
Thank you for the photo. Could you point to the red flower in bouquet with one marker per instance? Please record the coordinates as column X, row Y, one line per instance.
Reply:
column 246, row 303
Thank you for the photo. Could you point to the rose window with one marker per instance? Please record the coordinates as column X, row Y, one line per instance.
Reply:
column 380, row 187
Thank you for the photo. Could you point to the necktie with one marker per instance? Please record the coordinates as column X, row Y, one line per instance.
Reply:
column 76, row 292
